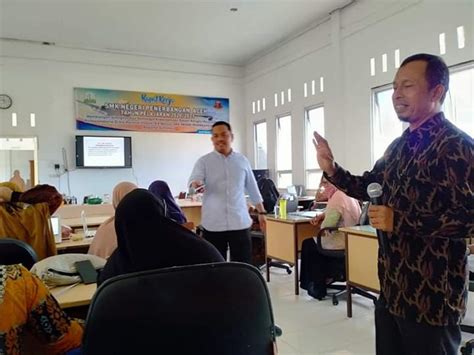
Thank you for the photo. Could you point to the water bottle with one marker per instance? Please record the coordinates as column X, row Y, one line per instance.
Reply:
column 276, row 210
column 282, row 205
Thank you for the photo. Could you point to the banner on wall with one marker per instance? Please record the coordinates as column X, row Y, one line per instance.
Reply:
column 100, row 109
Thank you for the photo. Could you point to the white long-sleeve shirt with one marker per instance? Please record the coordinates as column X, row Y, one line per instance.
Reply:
column 227, row 179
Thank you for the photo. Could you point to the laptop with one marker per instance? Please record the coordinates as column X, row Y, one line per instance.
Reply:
column 87, row 233
column 55, row 222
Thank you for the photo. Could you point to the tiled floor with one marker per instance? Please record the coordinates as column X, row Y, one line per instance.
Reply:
column 317, row 327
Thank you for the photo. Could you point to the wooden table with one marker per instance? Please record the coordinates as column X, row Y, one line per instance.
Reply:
column 361, row 261
column 191, row 209
column 74, row 211
column 74, row 296
column 284, row 238
column 68, row 246
column 92, row 221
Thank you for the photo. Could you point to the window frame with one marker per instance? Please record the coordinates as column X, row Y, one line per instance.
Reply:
column 255, row 123
column 377, row 89
column 455, row 69
column 374, row 91
column 277, row 171
column 306, row 125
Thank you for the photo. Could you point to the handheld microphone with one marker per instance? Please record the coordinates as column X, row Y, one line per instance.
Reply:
column 374, row 190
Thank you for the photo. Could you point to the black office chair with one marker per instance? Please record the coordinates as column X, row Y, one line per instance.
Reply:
column 338, row 269
column 221, row 308
column 258, row 248
column 13, row 251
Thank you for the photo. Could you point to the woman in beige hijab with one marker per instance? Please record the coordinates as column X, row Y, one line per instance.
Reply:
column 105, row 240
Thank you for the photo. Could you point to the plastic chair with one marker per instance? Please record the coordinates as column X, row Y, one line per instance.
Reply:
column 221, row 308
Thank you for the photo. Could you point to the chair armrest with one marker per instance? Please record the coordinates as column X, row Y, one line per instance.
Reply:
column 278, row 331
column 319, row 243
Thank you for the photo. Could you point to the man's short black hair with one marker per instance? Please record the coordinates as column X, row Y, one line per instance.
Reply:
column 222, row 123
column 437, row 71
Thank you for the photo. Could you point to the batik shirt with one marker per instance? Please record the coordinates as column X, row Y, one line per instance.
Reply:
column 26, row 303
column 427, row 179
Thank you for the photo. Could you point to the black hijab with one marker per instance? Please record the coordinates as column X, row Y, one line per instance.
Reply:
column 147, row 239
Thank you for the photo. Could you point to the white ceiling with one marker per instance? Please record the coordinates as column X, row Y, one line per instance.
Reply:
column 198, row 30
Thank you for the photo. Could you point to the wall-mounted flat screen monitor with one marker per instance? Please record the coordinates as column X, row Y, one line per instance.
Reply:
column 103, row 152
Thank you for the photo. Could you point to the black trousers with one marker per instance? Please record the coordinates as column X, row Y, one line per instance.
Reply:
column 398, row 336
column 239, row 242
column 316, row 268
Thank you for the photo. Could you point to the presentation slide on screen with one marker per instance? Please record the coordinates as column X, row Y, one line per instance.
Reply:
column 104, row 151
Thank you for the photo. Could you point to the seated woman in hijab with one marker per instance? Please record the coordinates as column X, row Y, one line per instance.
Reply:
column 25, row 216
column 105, row 239
column 316, row 269
column 148, row 240
column 323, row 193
column 26, row 303
column 161, row 190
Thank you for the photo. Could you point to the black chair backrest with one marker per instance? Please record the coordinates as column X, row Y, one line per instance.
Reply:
column 269, row 193
column 13, row 251
column 221, row 308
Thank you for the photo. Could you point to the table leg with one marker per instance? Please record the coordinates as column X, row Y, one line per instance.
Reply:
column 268, row 269
column 349, row 300
column 297, row 274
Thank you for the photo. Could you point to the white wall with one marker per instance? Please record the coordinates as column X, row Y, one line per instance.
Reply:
column 340, row 49
column 41, row 79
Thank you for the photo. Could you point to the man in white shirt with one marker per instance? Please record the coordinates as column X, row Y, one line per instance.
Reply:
column 225, row 176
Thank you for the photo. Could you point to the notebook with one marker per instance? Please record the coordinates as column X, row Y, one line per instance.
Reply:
column 85, row 229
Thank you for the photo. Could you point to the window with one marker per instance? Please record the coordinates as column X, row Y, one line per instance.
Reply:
column 442, row 43
column 372, row 66
column 385, row 124
column 461, row 37
column 384, row 62
column 459, row 105
column 260, row 131
column 397, row 58
column 314, row 122
column 283, row 158
column 458, row 108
